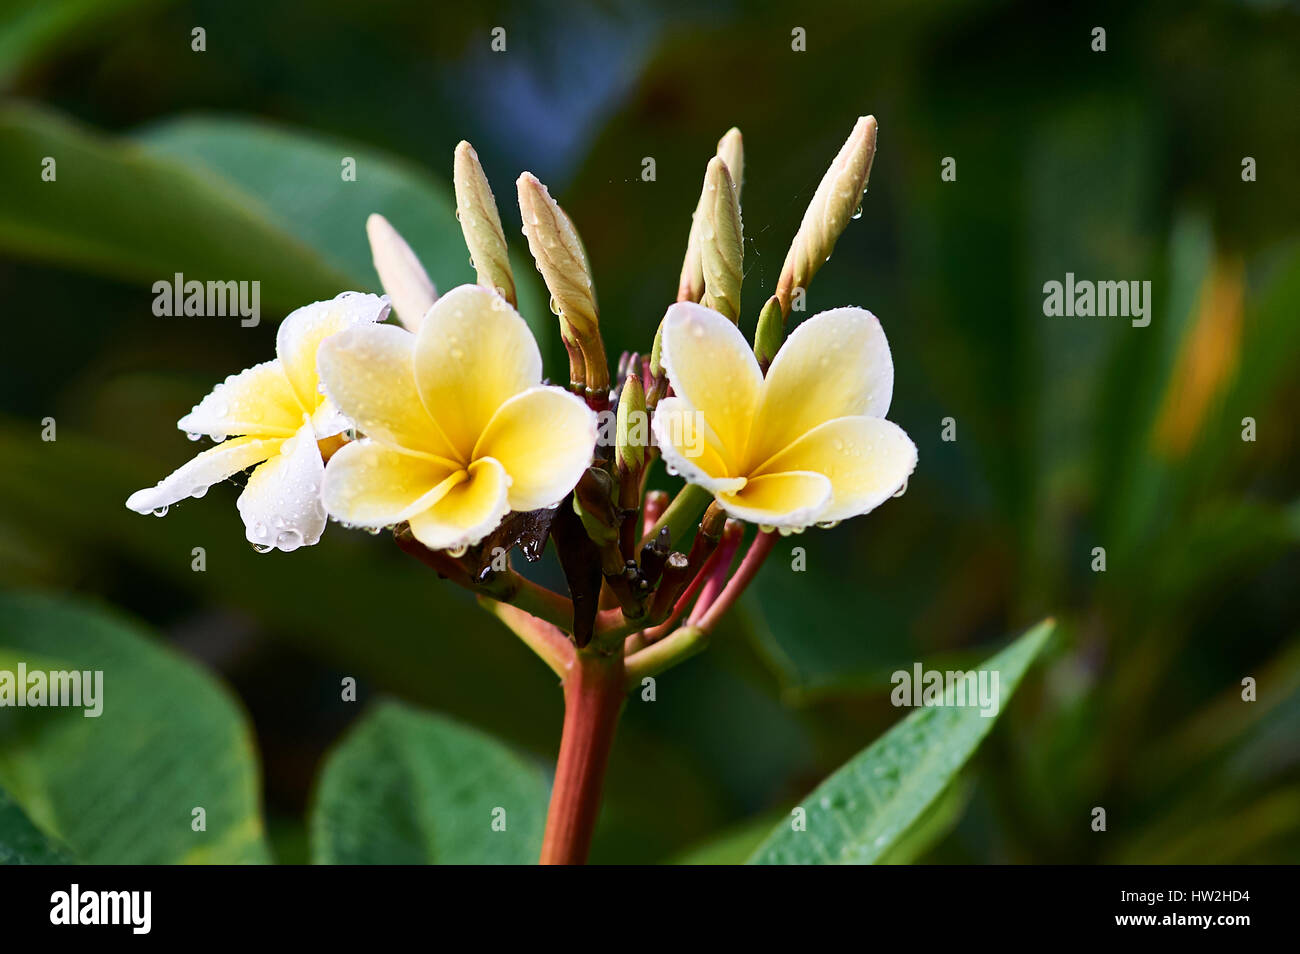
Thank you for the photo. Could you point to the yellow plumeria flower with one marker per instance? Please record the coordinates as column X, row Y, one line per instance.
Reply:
column 460, row 430
column 273, row 416
column 807, row 444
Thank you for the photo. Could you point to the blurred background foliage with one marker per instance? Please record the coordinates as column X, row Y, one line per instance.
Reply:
column 1071, row 433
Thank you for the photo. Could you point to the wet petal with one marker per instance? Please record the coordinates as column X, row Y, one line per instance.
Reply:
column 712, row 368
column 690, row 447
column 790, row 499
column 300, row 335
column 214, row 465
column 472, row 353
column 258, row 402
column 866, row 459
column 544, row 438
column 370, row 485
column 281, row 504
column 836, row 364
column 404, row 279
column 468, row 512
column 368, row 372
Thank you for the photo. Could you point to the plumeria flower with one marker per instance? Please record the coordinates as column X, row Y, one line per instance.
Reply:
column 272, row 417
column 807, row 444
column 460, row 430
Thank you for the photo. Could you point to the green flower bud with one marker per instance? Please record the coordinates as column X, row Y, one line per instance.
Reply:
column 476, row 208
column 835, row 202
column 722, row 244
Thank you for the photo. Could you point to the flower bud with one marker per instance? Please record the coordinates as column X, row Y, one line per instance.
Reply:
column 770, row 332
column 561, row 259
column 404, row 279
column 593, row 502
column 476, row 208
column 631, row 428
column 731, row 152
column 835, row 202
column 722, row 244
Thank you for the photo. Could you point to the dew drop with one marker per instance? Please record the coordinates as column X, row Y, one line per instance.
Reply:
column 456, row 552
column 160, row 512
column 288, row 540
column 902, row 490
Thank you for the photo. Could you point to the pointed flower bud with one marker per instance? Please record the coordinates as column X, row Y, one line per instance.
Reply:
column 631, row 428
column 835, row 202
column 731, row 150
column 770, row 332
column 476, row 208
column 722, row 244
column 403, row 277
column 593, row 502
column 691, row 285
column 561, row 259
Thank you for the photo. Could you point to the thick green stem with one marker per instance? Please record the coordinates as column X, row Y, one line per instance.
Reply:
column 681, row 514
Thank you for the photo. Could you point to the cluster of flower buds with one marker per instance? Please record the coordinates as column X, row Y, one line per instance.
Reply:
column 442, row 428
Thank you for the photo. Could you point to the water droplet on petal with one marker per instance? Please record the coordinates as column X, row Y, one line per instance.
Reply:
column 160, row 512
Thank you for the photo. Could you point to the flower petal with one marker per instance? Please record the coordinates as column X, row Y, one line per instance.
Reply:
column 258, row 402
column 866, row 459
column 711, row 367
column 836, row 364
column 370, row 485
column 468, row 512
column 281, row 503
column 690, row 447
column 214, row 465
column 472, row 353
column 790, row 499
column 368, row 371
column 400, row 272
column 544, row 438
column 300, row 335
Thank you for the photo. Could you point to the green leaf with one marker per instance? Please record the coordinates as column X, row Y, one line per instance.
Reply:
column 116, row 210
column 861, row 811
column 409, row 787
column 21, row 842
column 35, row 28
column 121, row 788
column 298, row 178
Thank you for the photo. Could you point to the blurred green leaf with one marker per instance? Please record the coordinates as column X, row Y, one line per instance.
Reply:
column 858, row 814
column 730, row 847
column 120, row 788
column 33, row 28
column 409, row 787
column 21, row 842
column 116, row 210
column 298, row 178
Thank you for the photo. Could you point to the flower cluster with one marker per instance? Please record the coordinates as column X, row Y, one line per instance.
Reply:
column 441, row 426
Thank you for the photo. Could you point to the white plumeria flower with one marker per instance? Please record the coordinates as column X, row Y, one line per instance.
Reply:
column 806, row 444
column 273, row 416
column 405, row 281
column 460, row 429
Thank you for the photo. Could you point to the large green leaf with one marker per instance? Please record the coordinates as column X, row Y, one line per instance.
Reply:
column 35, row 28
column 113, row 208
column 21, row 842
column 408, row 787
column 858, row 814
column 298, row 178
column 121, row 788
